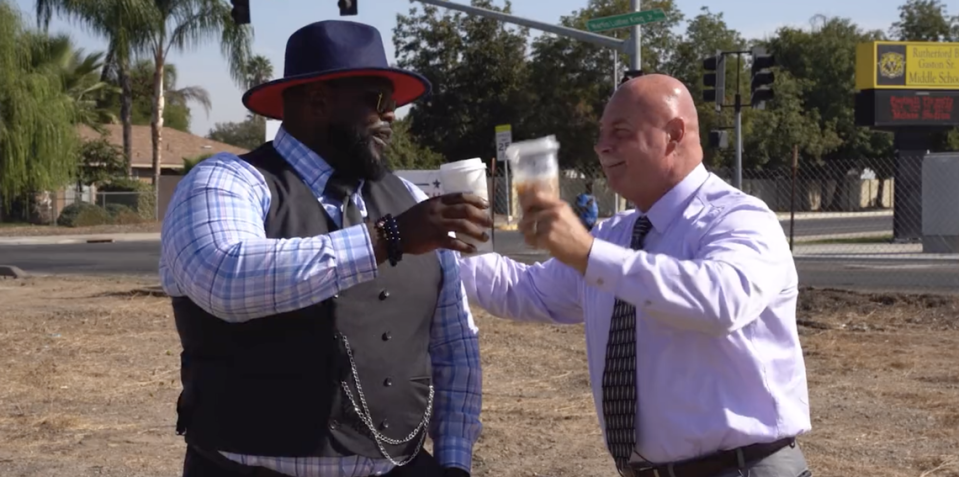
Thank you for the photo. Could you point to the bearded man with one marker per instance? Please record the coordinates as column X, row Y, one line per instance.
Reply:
column 316, row 295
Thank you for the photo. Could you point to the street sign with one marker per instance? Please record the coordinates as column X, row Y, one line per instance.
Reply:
column 626, row 20
column 504, row 137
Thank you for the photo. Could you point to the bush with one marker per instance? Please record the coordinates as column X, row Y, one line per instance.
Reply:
column 123, row 215
column 82, row 214
column 140, row 199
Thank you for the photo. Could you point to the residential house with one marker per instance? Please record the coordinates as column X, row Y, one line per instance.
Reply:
column 176, row 145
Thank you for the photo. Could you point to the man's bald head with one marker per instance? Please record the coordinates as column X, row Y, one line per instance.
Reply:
column 649, row 138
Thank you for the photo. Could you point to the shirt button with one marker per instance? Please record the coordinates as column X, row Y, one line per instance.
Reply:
column 387, row 336
column 387, row 382
column 384, row 294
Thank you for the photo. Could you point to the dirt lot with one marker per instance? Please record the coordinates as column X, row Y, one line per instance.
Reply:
column 90, row 379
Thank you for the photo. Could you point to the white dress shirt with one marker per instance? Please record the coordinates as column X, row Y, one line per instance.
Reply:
column 718, row 359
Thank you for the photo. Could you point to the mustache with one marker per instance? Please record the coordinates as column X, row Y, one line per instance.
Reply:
column 383, row 130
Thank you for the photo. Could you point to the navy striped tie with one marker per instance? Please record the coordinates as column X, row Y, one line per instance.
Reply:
column 619, row 377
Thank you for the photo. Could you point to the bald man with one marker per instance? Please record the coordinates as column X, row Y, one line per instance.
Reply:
column 689, row 301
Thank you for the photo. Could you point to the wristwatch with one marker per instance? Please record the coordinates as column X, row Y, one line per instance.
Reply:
column 389, row 232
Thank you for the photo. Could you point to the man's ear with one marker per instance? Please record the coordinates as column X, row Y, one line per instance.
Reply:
column 675, row 133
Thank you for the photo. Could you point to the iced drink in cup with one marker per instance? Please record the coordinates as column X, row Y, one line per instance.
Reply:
column 534, row 166
column 468, row 176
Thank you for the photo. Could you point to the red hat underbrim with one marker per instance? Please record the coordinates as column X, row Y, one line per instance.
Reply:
column 267, row 99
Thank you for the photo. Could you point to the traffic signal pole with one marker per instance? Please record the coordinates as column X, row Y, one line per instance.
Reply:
column 629, row 46
column 760, row 91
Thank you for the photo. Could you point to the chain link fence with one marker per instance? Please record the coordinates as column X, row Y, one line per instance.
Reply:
column 83, row 207
column 849, row 222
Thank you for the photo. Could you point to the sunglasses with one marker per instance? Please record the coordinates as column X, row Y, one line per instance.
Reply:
column 383, row 105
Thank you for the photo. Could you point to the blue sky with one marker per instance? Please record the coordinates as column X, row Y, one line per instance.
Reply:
column 275, row 20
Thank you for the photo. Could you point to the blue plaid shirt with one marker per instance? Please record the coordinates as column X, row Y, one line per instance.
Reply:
column 214, row 250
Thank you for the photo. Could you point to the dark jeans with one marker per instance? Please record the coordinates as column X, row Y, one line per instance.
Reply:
column 206, row 465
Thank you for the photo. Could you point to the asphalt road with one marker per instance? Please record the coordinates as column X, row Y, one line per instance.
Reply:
column 854, row 223
column 141, row 258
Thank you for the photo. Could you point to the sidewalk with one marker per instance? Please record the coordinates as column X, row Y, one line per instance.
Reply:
column 870, row 251
column 73, row 239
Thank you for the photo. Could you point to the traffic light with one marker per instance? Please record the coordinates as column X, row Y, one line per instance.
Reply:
column 347, row 7
column 718, row 139
column 762, row 79
column 240, row 12
column 715, row 77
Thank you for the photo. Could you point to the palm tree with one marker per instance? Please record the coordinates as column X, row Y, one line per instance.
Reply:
column 79, row 73
column 259, row 70
column 142, row 78
column 185, row 24
column 122, row 23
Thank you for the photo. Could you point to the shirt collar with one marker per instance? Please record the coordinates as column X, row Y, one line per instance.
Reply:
column 309, row 165
column 674, row 202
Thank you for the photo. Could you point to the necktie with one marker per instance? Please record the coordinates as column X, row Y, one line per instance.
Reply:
column 619, row 377
column 342, row 189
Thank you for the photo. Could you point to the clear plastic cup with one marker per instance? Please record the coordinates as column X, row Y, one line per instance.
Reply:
column 468, row 176
column 534, row 166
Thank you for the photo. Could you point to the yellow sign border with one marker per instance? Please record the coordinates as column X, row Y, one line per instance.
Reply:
column 867, row 59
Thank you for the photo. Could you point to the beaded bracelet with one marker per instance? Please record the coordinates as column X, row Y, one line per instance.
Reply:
column 391, row 233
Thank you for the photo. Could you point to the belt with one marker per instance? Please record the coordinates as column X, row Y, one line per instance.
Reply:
column 710, row 465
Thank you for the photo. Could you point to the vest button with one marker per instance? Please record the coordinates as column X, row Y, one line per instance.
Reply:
column 387, row 336
column 385, row 424
column 336, row 296
column 387, row 382
column 334, row 425
column 384, row 294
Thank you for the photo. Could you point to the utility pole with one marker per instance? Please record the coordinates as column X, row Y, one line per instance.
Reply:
column 738, row 109
column 635, row 38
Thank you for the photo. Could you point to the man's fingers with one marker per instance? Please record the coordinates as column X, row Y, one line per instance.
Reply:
column 469, row 212
column 464, row 198
column 465, row 227
column 457, row 245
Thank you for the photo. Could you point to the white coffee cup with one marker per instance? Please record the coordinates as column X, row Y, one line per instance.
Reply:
column 468, row 176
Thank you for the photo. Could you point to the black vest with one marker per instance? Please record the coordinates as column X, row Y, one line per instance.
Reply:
column 272, row 386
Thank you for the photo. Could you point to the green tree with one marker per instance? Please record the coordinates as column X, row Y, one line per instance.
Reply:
column 925, row 20
column 478, row 70
column 405, row 153
column 823, row 60
column 248, row 134
column 571, row 81
column 100, row 161
column 38, row 139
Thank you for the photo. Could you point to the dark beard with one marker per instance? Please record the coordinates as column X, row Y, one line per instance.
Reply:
column 354, row 148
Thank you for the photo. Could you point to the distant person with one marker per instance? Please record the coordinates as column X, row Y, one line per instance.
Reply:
column 586, row 207
column 689, row 301
column 317, row 297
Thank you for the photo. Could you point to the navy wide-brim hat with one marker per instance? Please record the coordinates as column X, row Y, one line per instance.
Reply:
column 328, row 50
